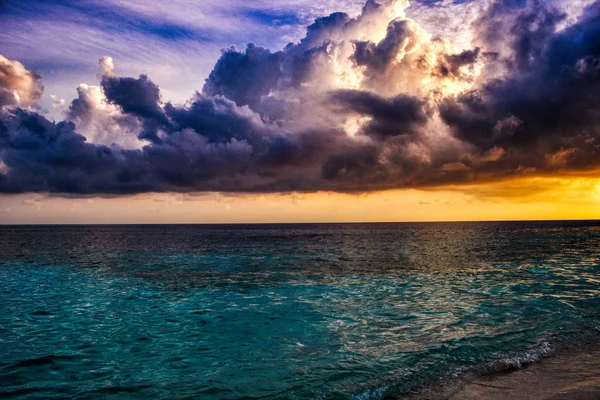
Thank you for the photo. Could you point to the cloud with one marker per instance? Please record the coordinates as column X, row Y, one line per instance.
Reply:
column 181, row 36
column 18, row 86
column 399, row 115
column 361, row 103
column 101, row 122
column 106, row 67
column 546, row 102
column 245, row 77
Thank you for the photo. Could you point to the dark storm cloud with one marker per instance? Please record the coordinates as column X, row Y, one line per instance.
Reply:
column 355, row 164
column 549, row 107
column 376, row 57
column 389, row 117
column 264, row 123
column 7, row 98
column 44, row 156
column 211, row 145
column 322, row 29
column 139, row 96
column 245, row 77
column 452, row 63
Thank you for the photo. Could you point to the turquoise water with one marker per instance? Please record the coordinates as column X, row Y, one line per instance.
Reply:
column 356, row 311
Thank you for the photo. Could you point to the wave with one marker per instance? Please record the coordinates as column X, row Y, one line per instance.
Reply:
column 448, row 387
column 519, row 361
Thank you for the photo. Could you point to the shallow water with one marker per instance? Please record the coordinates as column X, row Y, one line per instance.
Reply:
column 567, row 375
column 352, row 311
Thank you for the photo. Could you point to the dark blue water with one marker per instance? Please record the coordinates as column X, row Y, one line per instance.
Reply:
column 354, row 311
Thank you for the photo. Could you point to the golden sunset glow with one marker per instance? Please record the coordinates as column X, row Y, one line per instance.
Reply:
column 525, row 199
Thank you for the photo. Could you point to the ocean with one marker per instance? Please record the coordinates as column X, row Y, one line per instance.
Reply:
column 316, row 311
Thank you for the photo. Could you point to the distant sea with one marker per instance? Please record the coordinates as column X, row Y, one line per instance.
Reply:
column 341, row 311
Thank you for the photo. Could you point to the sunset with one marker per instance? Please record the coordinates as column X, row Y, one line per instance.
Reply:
column 540, row 198
column 407, row 192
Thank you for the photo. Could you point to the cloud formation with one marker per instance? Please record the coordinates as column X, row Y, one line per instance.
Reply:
column 18, row 86
column 359, row 104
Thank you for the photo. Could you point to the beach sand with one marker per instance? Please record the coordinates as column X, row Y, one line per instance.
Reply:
column 567, row 376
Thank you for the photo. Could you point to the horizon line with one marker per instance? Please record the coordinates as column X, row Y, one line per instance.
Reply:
column 298, row 223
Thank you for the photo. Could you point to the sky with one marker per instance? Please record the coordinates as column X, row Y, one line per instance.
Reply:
column 299, row 111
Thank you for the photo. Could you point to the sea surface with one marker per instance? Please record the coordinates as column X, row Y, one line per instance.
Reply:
column 340, row 311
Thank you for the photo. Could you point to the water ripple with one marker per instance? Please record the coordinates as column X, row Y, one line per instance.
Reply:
column 298, row 312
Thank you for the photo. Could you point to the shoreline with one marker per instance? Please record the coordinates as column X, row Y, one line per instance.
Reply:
column 572, row 374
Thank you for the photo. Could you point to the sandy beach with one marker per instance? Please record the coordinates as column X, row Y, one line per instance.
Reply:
column 571, row 375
